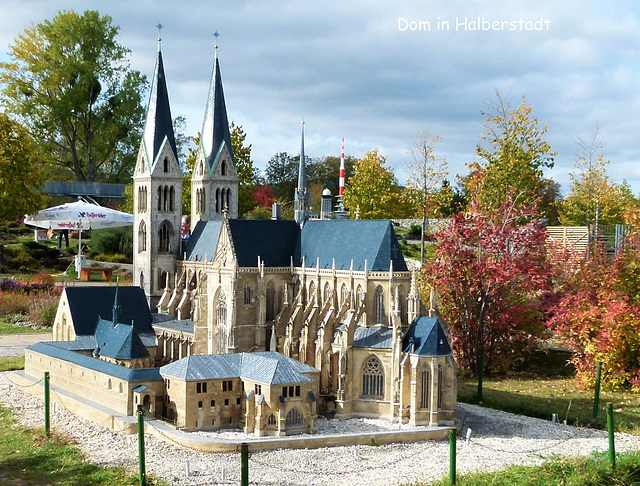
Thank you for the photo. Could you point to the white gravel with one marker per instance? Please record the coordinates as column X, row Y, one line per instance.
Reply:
column 498, row 439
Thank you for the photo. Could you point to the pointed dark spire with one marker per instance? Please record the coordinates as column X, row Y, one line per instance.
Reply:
column 301, row 198
column 159, row 124
column 116, row 306
column 215, row 127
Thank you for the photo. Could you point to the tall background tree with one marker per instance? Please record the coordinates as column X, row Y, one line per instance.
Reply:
column 514, row 158
column 593, row 197
column 20, row 174
column 247, row 175
column 426, row 174
column 70, row 82
column 373, row 191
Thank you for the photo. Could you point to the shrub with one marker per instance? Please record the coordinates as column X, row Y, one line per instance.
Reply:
column 43, row 278
column 14, row 303
column 113, row 240
column 43, row 308
column 414, row 231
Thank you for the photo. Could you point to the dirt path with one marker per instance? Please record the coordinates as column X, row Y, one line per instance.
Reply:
column 14, row 344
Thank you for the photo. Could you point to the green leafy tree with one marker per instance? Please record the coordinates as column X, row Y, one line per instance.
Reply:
column 21, row 176
column 514, row 158
column 282, row 175
column 326, row 171
column 594, row 199
column 373, row 191
column 69, row 81
column 426, row 173
column 247, row 176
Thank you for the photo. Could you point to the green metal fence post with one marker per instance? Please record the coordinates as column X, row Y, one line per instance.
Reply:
column 143, row 479
column 452, row 455
column 244, row 462
column 612, row 445
column 480, row 372
column 47, row 405
column 596, row 398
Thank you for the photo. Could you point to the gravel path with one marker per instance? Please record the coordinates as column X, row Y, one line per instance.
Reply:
column 498, row 439
column 14, row 344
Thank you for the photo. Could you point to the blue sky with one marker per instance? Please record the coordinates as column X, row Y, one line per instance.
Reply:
column 377, row 72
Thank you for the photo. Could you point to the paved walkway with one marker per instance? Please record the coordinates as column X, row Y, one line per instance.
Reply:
column 14, row 344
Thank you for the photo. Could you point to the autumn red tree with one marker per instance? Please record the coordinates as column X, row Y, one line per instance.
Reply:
column 490, row 269
column 264, row 195
column 597, row 314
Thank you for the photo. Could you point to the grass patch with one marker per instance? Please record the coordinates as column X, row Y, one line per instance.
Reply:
column 8, row 326
column 29, row 457
column 547, row 387
column 591, row 471
column 11, row 363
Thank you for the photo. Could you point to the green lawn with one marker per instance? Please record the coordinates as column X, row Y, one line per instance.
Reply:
column 29, row 457
column 7, row 327
column 11, row 363
column 592, row 471
column 548, row 386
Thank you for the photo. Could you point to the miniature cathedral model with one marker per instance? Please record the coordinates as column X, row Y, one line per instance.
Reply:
column 329, row 306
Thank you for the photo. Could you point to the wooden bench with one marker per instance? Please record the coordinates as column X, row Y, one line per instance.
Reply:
column 85, row 273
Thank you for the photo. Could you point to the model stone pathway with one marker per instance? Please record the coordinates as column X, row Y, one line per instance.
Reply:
column 497, row 440
column 14, row 344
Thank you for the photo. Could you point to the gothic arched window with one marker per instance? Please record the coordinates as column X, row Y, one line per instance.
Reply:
column 247, row 294
column 221, row 323
column 172, row 196
column 164, row 237
column 378, row 305
column 293, row 418
column 426, row 392
column 271, row 301
column 344, row 294
column 218, row 200
column 373, row 378
column 165, row 202
column 166, row 164
column 142, row 236
column 223, row 168
column 160, row 198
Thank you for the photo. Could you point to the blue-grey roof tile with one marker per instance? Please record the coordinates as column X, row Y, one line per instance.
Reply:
column 427, row 336
column 346, row 240
column 94, row 364
column 203, row 240
column 373, row 337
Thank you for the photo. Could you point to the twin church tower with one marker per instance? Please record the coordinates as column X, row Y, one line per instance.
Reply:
column 158, row 178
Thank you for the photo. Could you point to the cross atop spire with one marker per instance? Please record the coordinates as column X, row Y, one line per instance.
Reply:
column 159, row 27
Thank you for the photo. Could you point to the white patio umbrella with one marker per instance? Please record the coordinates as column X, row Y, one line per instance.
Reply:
column 78, row 215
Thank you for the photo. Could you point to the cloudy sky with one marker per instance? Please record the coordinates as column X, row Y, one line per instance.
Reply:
column 376, row 72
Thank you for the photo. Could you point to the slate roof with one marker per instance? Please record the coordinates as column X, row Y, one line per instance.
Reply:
column 373, row 337
column 94, row 364
column 204, row 367
column 277, row 242
column 88, row 303
column 119, row 342
column 203, row 240
column 265, row 367
column 159, row 124
column 274, row 241
column 346, row 240
column 273, row 368
column 428, row 337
